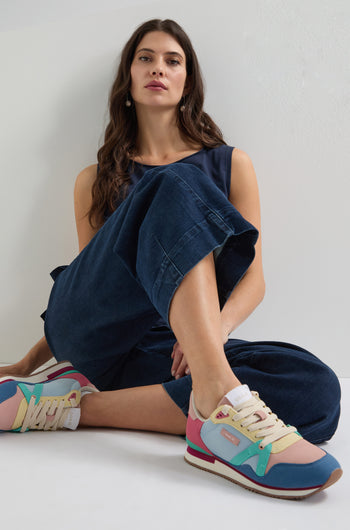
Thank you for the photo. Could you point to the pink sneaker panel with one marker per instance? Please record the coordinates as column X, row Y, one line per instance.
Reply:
column 261, row 413
column 301, row 452
column 9, row 409
column 193, row 428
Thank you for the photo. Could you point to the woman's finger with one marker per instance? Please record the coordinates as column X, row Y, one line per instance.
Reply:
column 175, row 348
column 178, row 355
column 181, row 370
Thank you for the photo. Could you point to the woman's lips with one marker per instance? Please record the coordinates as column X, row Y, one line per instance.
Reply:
column 155, row 87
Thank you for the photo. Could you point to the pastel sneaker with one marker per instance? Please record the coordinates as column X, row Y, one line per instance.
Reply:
column 43, row 375
column 50, row 405
column 247, row 444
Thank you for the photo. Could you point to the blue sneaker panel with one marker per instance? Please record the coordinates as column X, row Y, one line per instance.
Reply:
column 253, row 462
column 291, row 476
column 57, row 387
column 212, row 436
column 7, row 390
column 60, row 387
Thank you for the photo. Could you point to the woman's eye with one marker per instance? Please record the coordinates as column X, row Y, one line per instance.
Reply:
column 170, row 60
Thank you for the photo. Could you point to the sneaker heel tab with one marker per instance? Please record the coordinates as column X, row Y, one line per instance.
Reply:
column 193, row 412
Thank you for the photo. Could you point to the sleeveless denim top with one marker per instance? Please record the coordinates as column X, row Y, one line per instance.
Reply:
column 215, row 162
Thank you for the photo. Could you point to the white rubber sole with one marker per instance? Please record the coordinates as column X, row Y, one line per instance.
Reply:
column 224, row 470
column 43, row 375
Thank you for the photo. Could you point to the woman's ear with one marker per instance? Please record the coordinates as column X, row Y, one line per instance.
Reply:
column 187, row 87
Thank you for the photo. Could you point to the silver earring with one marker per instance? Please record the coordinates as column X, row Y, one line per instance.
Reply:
column 128, row 102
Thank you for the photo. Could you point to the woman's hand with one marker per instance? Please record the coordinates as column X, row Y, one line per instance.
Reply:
column 38, row 355
column 180, row 367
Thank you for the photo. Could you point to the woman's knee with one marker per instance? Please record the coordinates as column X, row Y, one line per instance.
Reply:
column 325, row 400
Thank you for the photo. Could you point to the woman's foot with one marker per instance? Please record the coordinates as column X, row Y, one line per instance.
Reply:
column 244, row 441
column 46, row 374
column 47, row 405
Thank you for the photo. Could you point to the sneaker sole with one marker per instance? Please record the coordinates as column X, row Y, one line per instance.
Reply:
column 218, row 467
column 43, row 375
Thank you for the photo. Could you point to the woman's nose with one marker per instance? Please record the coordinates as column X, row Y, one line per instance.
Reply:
column 158, row 69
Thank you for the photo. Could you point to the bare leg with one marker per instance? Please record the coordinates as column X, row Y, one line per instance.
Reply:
column 194, row 317
column 148, row 408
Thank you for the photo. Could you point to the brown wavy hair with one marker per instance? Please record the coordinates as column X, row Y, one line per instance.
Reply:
column 121, row 133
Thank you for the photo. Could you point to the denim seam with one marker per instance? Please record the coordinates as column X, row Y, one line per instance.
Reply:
column 167, row 260
column 197, row 229
column 198, row 198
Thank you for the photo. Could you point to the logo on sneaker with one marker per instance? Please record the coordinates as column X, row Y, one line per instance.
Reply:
column 229, row 436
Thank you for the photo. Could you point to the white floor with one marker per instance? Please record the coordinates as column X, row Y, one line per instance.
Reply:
column 120, row 479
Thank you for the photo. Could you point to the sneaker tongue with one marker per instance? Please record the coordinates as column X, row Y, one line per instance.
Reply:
column 236, row 396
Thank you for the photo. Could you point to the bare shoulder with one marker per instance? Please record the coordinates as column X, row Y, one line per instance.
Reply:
column 83, row 185
column 243, row 177
column 82, row 204
column 86, row 177
column 240, row 160
column 82, row 190
column 244, row 191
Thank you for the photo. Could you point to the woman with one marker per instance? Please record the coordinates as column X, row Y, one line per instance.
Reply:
column 169, row 265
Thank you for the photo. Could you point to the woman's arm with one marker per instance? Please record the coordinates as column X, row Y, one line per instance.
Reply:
column 82, row 204
column 244, row 195
column 40, row 353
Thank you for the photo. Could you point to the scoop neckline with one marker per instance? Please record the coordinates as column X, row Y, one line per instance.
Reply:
column 169, row 163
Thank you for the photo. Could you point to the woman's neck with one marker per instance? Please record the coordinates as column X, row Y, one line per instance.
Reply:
column 159, row 138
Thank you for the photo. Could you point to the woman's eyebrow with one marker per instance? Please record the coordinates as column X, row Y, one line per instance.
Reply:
column 166, row 53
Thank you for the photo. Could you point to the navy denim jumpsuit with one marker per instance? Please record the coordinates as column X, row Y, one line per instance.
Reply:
column 108, row 310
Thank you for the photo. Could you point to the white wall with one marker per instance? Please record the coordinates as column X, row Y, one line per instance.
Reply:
column 277, row 83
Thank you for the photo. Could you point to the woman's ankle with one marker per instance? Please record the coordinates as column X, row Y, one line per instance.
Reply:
column 207, row 397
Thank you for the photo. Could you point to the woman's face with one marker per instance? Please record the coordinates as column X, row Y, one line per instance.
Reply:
column 160, row 65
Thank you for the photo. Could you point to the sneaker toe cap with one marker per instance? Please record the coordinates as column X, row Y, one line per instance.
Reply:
column 302, row 475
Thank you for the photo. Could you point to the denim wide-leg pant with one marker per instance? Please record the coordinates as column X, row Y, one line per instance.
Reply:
column 103, row 306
